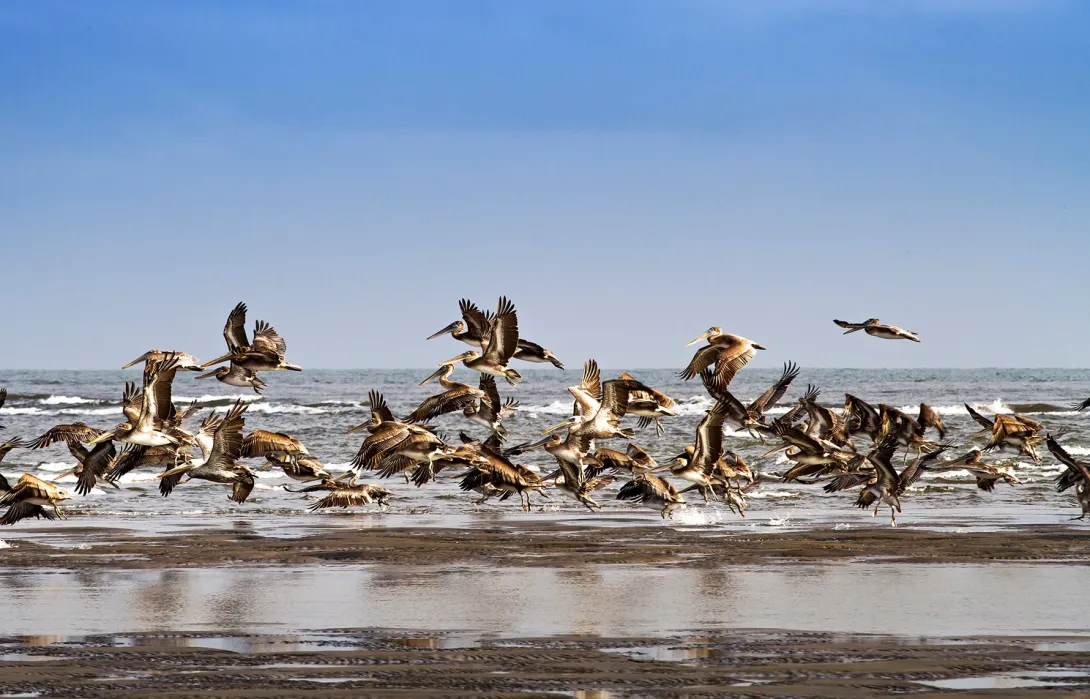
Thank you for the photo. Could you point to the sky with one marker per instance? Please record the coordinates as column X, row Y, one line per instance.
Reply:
column 628, row 172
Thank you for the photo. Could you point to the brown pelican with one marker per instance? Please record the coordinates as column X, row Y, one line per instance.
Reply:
column 875, row 328
column 346, row 494
column 186, row 362
column 632, row 460
column 457, row 396
column 234, row 375
column 467, row 455
column 90, row 465
column 729, row 353
column 299, row 467
column 220, row 464
column 132, row 457
column 908, row 431
column 75, row 433
column 32, row 497
column 1077, row 474
column 496, row 470
column 156, row 424
column 599, row 418
column 499, row 346
column 649, row 406
column 262, row 443
column 751, row 417
column 649, row 489
column 862, row 417
column 1015, row 434
column 986, row 475
column 489, row 412
column 473, row 329
column 396, row 446
column 885, row 485
column 380, row 414
column 265, row 353
column 822, row 423
column 697, row 464
column 581, row 491
column 813, row 456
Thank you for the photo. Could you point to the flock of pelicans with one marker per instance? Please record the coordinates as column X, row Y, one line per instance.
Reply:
column 820, row 442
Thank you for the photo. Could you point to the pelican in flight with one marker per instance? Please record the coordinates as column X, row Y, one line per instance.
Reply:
column 649, row 489
column 457, row 395
column 581, row 491
column 90, row 465
column 156, row 423
column 885, row 484
column 599, row 417
column 986, row 475
column 499, row 344
column 32, row 497
column 234, row 375
column 219, row 462
column 1077, row 474
column 472, row 329
column 265, row 353
column 697, row 464
column 492, row 468
column 75, row 433
column 649, row 406
column 729, row 353
column 875, row 328
column 186, row 362
column 6, row 447
column 346, row 494
column 380, row 414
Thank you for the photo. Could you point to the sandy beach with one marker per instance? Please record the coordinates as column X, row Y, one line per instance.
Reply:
column 516, row 607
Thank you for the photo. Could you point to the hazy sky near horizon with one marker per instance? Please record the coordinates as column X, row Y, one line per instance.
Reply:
column 628, row 172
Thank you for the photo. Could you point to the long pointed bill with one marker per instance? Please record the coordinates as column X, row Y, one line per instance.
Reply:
column 217, row 360
column 136, row 361
column 523, row 448
column 556, row 428
column 852, row 330
column 358, row 428
column 449, row 329
column 703, row 336
column 454, row 360
column 439, row 372
column 205, row 376
column 176, row 470
column 756, row 346
column 105, row 436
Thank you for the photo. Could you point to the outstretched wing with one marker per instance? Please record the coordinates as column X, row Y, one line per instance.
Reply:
column 773, row 395
column 235, row 330
column 503, row 333
column 267, row 341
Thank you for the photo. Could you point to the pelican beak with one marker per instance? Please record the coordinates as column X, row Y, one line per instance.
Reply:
column 217, row 360
column 358, row 428
column 566, row 423
column 105, row 436
column 523, row 448
column 852, row 330
column 439, row 372
column 205, row 376
column 292, row 367
column 703, row 336
column 136, row 361
column 176, row 470
column 449, row 329
column 756, row 346
column 455, row 360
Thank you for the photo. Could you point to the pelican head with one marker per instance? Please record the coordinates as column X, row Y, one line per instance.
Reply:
column 463, row 357
column 573, row 421
column 712, row 332
column 443, row 370
column 217, row 373
column 455, row 328
column 107, row 436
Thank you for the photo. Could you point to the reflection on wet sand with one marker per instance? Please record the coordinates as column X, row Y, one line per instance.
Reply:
column 596, row 599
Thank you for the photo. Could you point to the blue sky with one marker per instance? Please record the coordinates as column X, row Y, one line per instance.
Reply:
column 628, row 172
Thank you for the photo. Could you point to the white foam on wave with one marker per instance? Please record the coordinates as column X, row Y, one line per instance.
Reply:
column 116, row 410
column 210, row 398
column 138, row 477
column 276, row 408
column 55, row 466
column 22, row 411
column 66, row 400
column 1077, row 451
column 5, row 545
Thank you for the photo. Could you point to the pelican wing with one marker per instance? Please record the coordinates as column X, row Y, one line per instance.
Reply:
column 7, row 446
column 69, row 434
column 705, row 357
column 797, row 438
column 23, row 510
column 126, row 460
column 346, row 497
column 475, row 319
column 717, row 389
column 228, row 440
column 95, row 464
column 1078, row 406
column 615, row 394
column 648, row 488
column 709, row 438
column 157, row 405
column 261, row 442
column 773, row 395
column 379, row 409
column 234, row 332
column 852, row 326
column 378, row 444
column 648, row 393
column 882, row 457
column 1031, row 424
column 978, row 418
column 592, row 380
column 242, row 488
column 132, row 402
column 598, row 482
column 848, row 481
column 1076, row 470
column 733, row 356
column 441, row 404
column 503, row 333
column 929, row 418
column 268, row 342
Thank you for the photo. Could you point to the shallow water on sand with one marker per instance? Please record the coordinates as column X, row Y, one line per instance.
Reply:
column 855, row 598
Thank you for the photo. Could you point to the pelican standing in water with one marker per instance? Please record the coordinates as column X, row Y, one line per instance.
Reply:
column 875, row 328
column 499, row 345
column 32, row 497
column 265, row 353
column 729, row 353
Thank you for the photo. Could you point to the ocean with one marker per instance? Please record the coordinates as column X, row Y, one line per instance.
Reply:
column 317, row 406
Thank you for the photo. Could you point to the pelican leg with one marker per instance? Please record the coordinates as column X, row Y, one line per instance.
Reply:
column 60, row 512
column 893, row 517
column 875, row 513
column 659, row 429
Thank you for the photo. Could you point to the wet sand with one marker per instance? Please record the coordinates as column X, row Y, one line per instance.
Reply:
column 520, row 607
column 376, row 663
column 529, row 543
